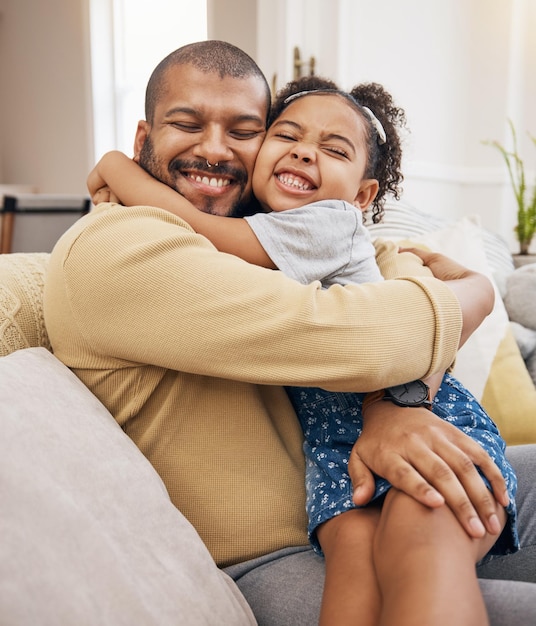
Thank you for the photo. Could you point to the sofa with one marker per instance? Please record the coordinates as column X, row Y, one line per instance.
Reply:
column 89, row 535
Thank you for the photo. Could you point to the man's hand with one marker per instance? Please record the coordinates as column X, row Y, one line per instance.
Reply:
column 430, row 460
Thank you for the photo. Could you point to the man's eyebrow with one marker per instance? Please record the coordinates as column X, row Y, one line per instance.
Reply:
column 238, row 118
column 329, row 137
column 175, row 110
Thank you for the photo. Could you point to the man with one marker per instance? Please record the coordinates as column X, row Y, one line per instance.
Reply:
column 188, row 347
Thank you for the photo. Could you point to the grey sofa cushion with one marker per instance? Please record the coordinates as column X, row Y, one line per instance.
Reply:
column 88, row 533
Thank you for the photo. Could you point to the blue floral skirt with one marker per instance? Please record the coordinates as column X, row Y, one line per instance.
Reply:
column 332, row 423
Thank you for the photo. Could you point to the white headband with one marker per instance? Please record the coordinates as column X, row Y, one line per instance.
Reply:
column 382, row 137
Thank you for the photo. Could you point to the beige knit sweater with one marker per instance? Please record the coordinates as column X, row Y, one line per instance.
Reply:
column 188, row 347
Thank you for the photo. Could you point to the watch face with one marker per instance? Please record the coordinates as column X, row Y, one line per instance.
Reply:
column 414, row 393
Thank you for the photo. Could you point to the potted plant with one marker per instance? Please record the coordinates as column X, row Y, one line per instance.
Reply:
column 526, row 201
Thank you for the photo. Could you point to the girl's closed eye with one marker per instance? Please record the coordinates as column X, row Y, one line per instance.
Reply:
column 338, row 151
column 285, row 135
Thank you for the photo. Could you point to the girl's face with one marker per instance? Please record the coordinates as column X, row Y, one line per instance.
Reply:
column 315, row 150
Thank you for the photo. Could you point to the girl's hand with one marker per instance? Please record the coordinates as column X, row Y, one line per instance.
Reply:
column 95, row 182
column 98, row 188
column 104, row 194
column 441, row 266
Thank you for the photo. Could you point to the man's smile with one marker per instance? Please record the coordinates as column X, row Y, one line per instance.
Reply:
column 212, row 181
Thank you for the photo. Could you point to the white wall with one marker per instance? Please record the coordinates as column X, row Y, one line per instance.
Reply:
column 127, row 43
column 234, row 21
column 45, row 118
column 460, row 68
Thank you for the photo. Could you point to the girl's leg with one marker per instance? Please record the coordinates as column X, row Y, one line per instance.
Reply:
column 351, row 594
column 425, row 564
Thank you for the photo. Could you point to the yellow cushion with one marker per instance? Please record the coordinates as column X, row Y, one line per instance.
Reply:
column 22, row 323
column 509, row 395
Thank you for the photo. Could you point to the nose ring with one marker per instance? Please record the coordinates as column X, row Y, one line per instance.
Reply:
column 210, row 164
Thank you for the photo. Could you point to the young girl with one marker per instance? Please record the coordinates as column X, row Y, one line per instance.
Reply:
column 393, row 561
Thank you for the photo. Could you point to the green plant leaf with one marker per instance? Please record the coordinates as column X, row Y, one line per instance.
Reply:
column 526, row 206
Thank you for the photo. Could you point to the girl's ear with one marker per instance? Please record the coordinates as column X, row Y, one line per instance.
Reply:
column 368, row 190
column 142, row 132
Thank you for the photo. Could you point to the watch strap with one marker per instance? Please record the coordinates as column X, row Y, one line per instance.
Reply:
column 371, row 398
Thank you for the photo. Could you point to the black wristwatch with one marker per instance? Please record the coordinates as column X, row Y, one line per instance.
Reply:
column 413, row 394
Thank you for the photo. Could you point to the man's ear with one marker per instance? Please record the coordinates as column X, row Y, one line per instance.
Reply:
column 368, row 190
column 142, row 132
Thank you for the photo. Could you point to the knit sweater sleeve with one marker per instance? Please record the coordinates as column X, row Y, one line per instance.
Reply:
column 137, row 285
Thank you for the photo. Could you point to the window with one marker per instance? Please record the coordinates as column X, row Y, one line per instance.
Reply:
column 128, row 39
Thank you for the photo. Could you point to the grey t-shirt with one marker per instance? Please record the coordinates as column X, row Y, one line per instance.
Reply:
column 323, row 241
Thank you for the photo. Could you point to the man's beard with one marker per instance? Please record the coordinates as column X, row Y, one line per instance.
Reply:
column 154, row 166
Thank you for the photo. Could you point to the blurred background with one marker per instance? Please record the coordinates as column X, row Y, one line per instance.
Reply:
column 73, row 76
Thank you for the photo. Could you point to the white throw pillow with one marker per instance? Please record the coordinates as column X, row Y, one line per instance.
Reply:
column 88, row 534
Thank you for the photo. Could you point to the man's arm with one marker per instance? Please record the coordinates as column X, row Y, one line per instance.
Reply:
column 258, row 325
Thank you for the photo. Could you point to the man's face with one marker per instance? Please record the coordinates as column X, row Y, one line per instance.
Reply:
column 201, row 117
